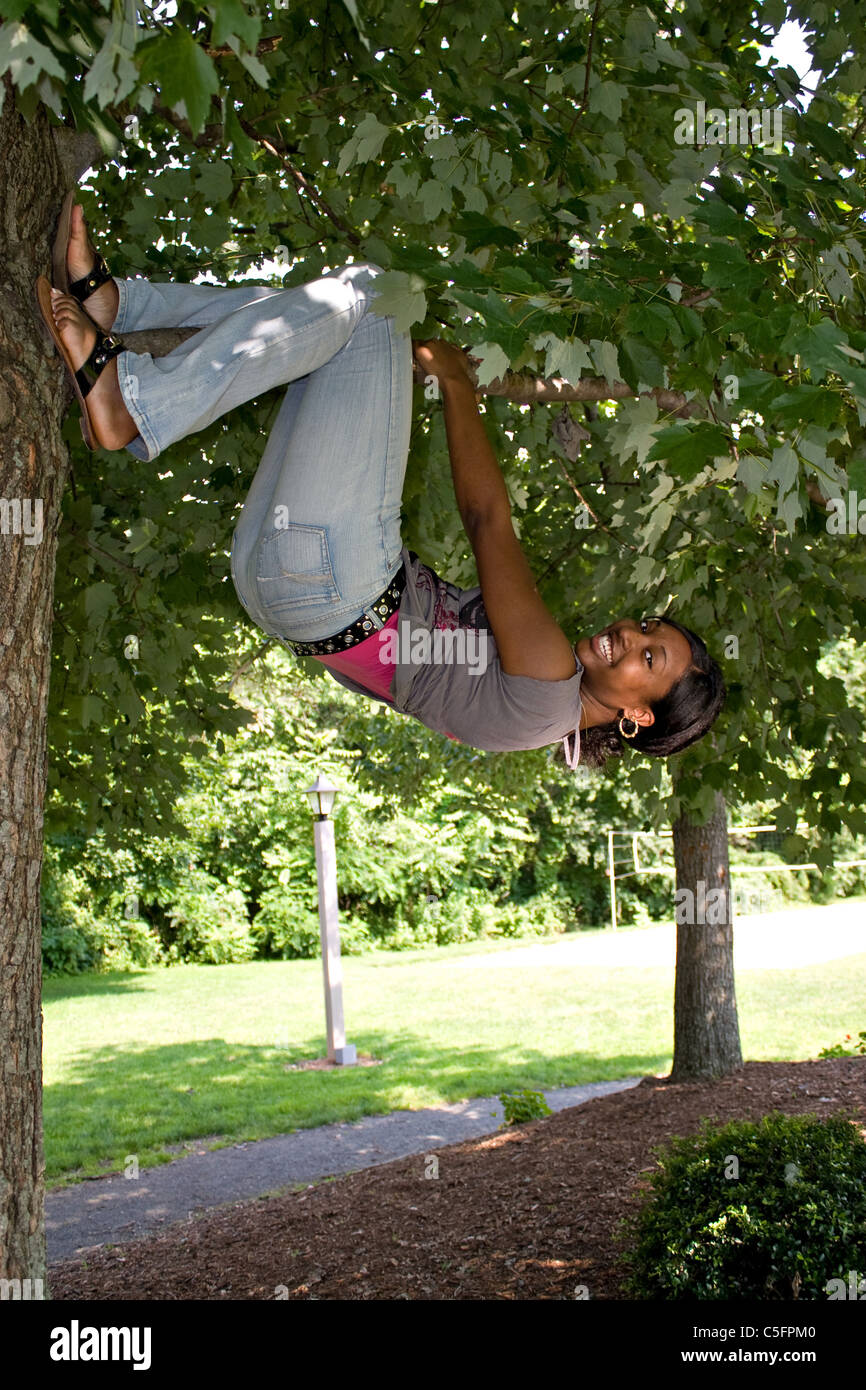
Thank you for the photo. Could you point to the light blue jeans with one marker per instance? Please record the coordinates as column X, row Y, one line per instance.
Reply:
column 318, row 539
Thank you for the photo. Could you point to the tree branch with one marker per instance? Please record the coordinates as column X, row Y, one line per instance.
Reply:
column 600, row 524
column 263, row 46
column 525, row 389
column 520, row 387
column 585, row 97
column 209, row 138
column 95, row 549
column 76, row 151
column 159, row 342
column 303, row 185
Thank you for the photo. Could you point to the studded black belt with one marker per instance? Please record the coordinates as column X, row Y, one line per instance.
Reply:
column 374, row 618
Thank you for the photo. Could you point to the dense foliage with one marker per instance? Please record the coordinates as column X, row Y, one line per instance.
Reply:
column 523, row 177
column 435, row 844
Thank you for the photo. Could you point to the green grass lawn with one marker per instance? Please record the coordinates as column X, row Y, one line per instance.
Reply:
column 142, row 1063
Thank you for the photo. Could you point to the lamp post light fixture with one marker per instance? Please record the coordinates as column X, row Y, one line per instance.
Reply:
column 321, row 796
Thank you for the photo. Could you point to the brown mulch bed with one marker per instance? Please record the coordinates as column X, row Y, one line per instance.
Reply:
column 527, row 1213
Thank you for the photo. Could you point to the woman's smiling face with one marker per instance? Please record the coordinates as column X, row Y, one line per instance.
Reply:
column 632, row 664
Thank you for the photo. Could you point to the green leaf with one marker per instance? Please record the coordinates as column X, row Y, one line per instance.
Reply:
column 499, row 322
column 231, row 19
column 17, row 9
column 605, row 360
column 837, row 278
column 634, row 431
column 564, row 359
column 607, row 98
column 494, row 362
column 113, row 74
column 243, row 147
column 253, row 65
column 402, row 296
column 819, row 347
column 479, row 231
column 687, row 448
column 513, row 279
column 352, row 7
column 435, row 198
column 646, row 321
column 784, row 468
column 143, row 532
column 816, row 403
column 364, row 144
column 467, row 276
column 642, row 368
column 830, row 143
column 24, row 57
column 668, row 54
column 752, row 472
column 92, row 711
column 659, row 519
column 99, row 600
column 214, row 180
column 183, row 74
column 790, row 510
column 727, row 268
column 645, row 573
column 719, row 216
column 857, row 475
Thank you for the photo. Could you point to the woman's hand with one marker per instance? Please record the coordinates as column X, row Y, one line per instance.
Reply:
column 443, row 360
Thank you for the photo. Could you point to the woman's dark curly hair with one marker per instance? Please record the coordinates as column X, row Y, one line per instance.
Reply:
column 681, row 717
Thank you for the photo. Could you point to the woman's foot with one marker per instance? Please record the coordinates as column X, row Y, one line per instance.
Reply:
column 102, row 305
column 113, row 426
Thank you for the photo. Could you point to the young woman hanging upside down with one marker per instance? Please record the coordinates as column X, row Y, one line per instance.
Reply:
column 317, row 556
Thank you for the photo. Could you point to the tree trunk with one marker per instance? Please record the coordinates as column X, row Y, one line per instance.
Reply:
column 33, row 470
column 706, row 1029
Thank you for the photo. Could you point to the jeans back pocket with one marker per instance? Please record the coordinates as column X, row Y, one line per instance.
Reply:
column 293, row 569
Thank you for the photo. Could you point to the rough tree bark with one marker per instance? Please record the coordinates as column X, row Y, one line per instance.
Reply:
column 33, row 466
column 706, row 1029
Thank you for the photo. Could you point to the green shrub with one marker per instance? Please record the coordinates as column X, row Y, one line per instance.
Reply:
column 768, row 1211
column 547, row 914
column 284, row 929
column 66, row 948
column 522, row 1106
column 207, row 923
column 472, row 914
column 74, row 939
column 126, row 943
column 857, row 1049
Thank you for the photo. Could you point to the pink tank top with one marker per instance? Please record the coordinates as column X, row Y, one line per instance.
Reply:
column 362, row 662
column 370, row 663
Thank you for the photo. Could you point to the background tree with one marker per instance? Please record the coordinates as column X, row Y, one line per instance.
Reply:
column 729, row 274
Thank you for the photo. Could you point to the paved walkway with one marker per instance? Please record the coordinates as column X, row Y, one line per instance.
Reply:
column 117, row 1209
column 784, row 940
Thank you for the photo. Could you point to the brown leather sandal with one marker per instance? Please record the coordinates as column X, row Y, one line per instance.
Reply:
column 85, row 377
column 88, row 284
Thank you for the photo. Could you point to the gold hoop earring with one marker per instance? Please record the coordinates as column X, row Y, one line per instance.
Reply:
column 633, row 733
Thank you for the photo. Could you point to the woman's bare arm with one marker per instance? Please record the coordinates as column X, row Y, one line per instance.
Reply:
column 529, row 640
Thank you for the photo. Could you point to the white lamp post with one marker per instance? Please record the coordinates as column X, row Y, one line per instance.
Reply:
column 321, row 795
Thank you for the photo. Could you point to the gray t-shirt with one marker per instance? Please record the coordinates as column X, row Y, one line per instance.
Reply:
column 449, row 677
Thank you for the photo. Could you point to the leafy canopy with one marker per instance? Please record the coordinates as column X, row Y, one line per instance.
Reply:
column 521, row 179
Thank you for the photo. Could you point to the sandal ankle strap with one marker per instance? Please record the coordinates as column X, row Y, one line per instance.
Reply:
column 100, row 275
column 105, row 348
